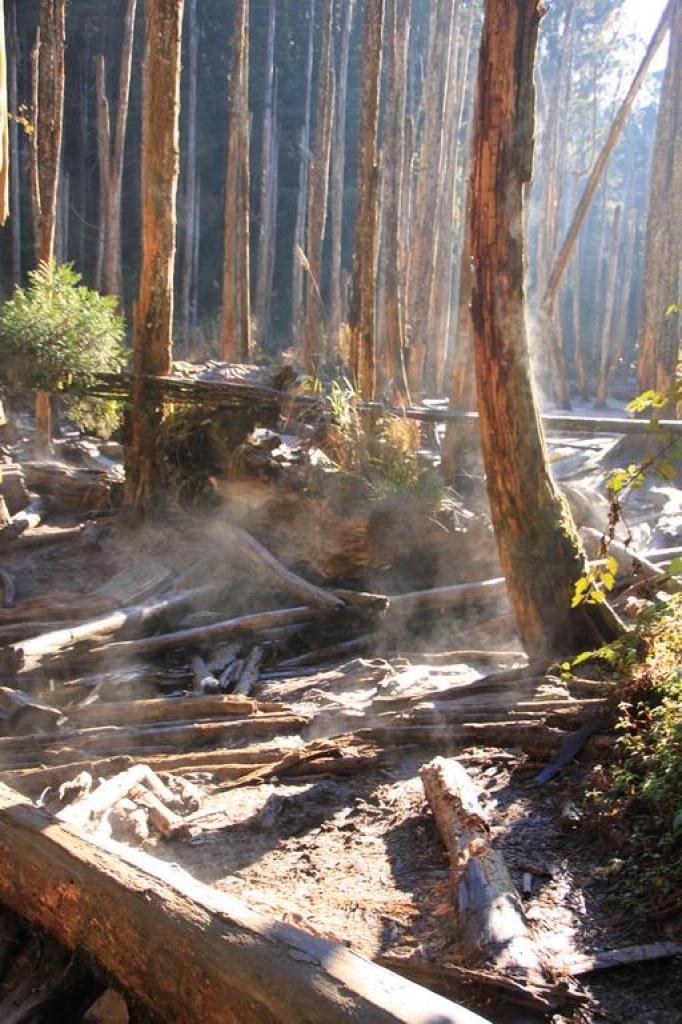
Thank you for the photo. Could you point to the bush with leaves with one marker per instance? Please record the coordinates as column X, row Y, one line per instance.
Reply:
column 56, row 334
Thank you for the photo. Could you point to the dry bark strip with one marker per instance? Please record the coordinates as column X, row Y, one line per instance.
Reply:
column 186, row 951
column 490, row 917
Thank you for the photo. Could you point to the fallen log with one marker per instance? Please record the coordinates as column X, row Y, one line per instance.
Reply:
column 166, row 709
column 272, row 569
column 608, row 959
column 451, row 596
column 569, row 749
column 188, row 952
column 490, row 917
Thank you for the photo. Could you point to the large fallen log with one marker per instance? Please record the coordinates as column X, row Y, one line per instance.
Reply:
column 490, row 918
column 187, row 952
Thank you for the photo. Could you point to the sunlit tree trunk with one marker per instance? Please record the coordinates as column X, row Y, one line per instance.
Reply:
column 268, row 184
column 190, row 223
column 361, row 324
column 338, row 179
column 660, row 318
column 318, row 189
column 539, row 550
column 607, row 333
column 299, row 257
column 47, row 65
column 236, row 324
column 422, row 251
column 392, row 276
column 153, row 316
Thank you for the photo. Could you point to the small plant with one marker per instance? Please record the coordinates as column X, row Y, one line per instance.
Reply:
column 56, row 333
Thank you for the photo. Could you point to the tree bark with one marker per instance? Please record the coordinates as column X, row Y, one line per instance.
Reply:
column 297, row 317
column 4, row 123
column 362, row 358
column 661, row 327
column 236, row 325
column 153, row 318
column 190, row 225
column 185, row 951
column 337, row 185
column 607, row 334
column 392, row 276
column 15, row 160
column 318, row 189
column 268, row 183
column 47, row 61
column 539, row 549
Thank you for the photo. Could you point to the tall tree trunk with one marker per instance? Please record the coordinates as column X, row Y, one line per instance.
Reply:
column 539, row 550
column 268, row 200
column 422, row 251
column 47, row 60
column 189, row 199
column 601, row 162
column 297, row 317
column 607, row 333
column 236, row 324
column 111, row 152
column 47, row 63
column 153, row 317
column 338, row 182
column 392, row 275
column 318, row 187
column 15, row 176
column 4, row 123
column 660, row 326
column 623, row 328
column 364, row 260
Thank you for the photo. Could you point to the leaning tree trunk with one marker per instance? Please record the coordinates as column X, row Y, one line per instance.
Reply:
column 47, row 62
column 153, row 319
column 364, row 261
column 236, row 326
column 539, row 549
column 661, row 321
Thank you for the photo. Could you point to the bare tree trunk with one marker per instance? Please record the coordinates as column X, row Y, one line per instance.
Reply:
column 268, row 199
column 392, row 275
column 297, row 319
column 4, row 123
column 625, row 299
column 189, row 199
column 607, row 334
column 338, row 180
column 421, row 260
column 153, row 319
column 15, row 176
column 602, row 160
column 660, row 318
column 47, row 61
column 318, row 187
column 236, row 327
column 539, row 549
column 364, row 261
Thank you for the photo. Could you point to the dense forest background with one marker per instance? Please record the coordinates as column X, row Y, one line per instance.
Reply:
column 586, row 62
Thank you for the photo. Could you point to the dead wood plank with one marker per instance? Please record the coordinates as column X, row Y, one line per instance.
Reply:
column 101, row 799
column 84, row 744
column 609, row 959
column 186, row 951
column 571, row 746
column 33, row 650
column 490, row 917
column 240, row 626
column 166, row 709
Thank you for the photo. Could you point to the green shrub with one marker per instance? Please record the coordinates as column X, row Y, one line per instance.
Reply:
column 56, row 334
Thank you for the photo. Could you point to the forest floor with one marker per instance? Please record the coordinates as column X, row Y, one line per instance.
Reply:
column 359, row 859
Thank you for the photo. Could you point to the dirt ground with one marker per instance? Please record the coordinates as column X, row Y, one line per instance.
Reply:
column 359, row 859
